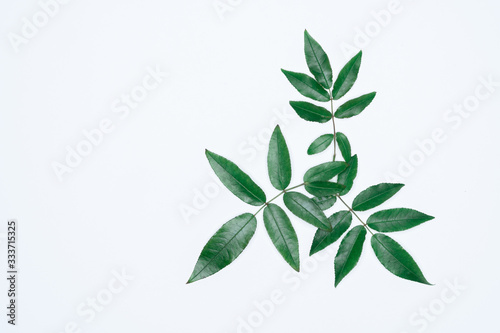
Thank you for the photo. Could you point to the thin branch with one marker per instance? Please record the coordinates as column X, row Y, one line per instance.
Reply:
column 353, row 212
column 277, row 196
column 334, row 131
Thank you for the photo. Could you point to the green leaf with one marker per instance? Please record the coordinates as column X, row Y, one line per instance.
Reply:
column 397, row 219
column 321, row 189
column 347, row 176
column 375, row 195
column 278, row 161
column 324, row 171
column 344, row 146
column 311, row 112
column 340, row 221
column 397, row 261
column 347, row 77
column 307, row 86
column 354, row 106
column 349, row 252
column 317, row 61
column 236, row 180
column 320, row 144
column 325, row 202
column 282, row 234
column 306, row 209
column 224, row 246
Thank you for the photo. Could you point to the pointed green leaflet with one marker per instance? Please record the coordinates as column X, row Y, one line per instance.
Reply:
column 375, row 195
column 396, row 219
column 278, row 161
column 224, row 246
column 311, row 112
column 349, row 252
column 325, row 202
column 322, row 189
column 347, row 77
column 395, row 259
column 354, row 106
column 347, row 176
column 236, row 180
column 340, row 221
column 324, row 171
column 317, row 61
column 282, row 234
column 307, row 86
column 320, row 144
column 344, row 146
column 306, row 209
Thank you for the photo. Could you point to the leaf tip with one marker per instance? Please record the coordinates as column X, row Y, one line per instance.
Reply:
column 423, row 280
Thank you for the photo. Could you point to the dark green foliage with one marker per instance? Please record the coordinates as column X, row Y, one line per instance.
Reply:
column 327, row 182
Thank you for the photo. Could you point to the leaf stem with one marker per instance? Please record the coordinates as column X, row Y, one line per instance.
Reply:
column 278, row 195
column 294, row 187
column 334, row 155
column 334, row 130
column 353, row 212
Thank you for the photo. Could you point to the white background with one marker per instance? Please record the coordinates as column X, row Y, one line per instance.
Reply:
column 121, row 206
